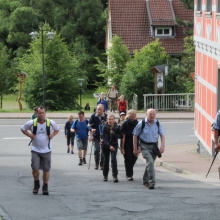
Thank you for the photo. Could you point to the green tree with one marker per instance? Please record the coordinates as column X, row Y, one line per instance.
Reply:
column 117, row 56
column 138, row 77
column 61, row 73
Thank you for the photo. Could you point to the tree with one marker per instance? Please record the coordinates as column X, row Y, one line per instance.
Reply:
column 61, row 73
column 138, row 77
column 117, row 56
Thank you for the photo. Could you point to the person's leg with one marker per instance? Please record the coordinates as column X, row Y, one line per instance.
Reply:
column 79, row 147
column 85, row 144
column 68, row 143
column 114, row 166
column 45, row 166
column 106, row 155
column 72, row 137
column 35, row 164
column 96, row 151
column 128, row 161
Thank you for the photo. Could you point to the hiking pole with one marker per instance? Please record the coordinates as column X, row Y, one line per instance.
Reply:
column 211, row 164
column 90, row 155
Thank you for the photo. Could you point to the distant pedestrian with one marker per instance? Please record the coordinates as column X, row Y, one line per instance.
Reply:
column 121, row 119
column 80, row 127
column 127, row 143
column 111, row 134
column 122, row 105
column 35, row 113
column 112, row 96
column 102, row 100
column 70, row 136
column 96, row 122
column 149, row 135
column 42, row 131
column 87, row 107
column 216, row 129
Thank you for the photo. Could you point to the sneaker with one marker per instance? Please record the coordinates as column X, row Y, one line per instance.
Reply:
column 72, row 152
column 130, row 179
column 151, row 186
column 105, row 178
column 84, row 160
column 115, row 179
column 36, row 187
column 45, row 189
column 80, row 161
column 68, row 150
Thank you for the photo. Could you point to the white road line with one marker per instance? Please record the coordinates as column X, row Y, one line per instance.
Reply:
column 16, row 138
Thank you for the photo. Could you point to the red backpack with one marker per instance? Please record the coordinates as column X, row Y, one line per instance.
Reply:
column 122, row 106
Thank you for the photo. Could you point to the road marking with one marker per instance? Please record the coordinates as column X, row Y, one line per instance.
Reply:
column 15, row 138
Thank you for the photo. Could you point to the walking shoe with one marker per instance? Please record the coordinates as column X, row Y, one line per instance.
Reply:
column 115, row 179
column 72, row 152
column 45, row 189
column 151, row 186
column 36, row 187
column 130, row 178
column 101, row 168
column 146, row 184
column 84, row 160
column 80, row 161
column 68, row 150
column 96, row 167
column 105, row 178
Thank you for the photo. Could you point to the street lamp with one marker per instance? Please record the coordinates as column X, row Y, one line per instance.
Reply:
column 50, row 36
column 80, row 81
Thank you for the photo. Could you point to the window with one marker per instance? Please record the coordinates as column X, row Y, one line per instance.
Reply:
column 208, row 5
column 165, row 31
column 218, row 6
column 199, row 5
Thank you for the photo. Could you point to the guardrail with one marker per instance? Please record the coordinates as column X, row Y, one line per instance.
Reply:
column 180, row 101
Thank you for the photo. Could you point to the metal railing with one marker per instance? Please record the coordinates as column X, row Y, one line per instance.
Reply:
column 181, row 101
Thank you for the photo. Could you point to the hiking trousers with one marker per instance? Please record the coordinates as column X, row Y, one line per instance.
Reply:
column 98, row 154
column 147, row 153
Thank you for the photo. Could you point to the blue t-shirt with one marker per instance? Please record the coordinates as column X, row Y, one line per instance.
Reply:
column 81, row 128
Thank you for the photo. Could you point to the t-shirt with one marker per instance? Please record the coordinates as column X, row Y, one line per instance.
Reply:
column 41, row 140
column 81, row 128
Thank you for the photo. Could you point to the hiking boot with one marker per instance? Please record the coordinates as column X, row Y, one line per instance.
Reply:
column 72, row 152
column 96, row 167
column 80, row 162
column 105, row 178
column 146, row 184
column 45, row 189
column 130, row 179
column 36, row 187
column 151, row 186
column 115, row 179
column 84, row 160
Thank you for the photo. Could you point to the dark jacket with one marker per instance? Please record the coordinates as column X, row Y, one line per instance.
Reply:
column 67, row 128
column 111, row 139
column 127, row 129
column 96, row 123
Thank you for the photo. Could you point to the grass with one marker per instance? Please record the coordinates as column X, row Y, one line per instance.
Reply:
column 10, row 103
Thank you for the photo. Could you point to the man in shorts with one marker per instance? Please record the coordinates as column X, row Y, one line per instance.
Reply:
column 40, row 147
column 80, row 127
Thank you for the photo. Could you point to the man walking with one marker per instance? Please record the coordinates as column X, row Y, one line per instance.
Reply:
column 80, row 127
column 113, row 96
column 216, row 129
column 148, row 135
column 96, row 122
column 42, row 130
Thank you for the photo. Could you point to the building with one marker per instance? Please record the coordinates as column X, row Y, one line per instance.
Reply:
column 139, row 22
column 207, row 69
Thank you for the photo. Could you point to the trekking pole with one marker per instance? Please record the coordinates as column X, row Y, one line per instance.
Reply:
column 90, row 155
column 211, row 164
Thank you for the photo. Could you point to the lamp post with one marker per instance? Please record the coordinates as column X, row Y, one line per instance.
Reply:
column 50, row 36
column 80, row 81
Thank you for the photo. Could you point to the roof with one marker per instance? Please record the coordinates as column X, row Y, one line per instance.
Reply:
column 159, row 68
column 132, row 21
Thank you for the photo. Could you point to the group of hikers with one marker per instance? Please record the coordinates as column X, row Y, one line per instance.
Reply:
column 107, row 136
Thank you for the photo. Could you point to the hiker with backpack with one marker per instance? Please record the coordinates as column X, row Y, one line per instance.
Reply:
column 42, row 131
column 122, row 105
column 112, row 96
column 102, row 100
column 127, row 143
column 80, row 127
column 70, row 136
column 216, row 131
column 111, row 134
column 148, row 132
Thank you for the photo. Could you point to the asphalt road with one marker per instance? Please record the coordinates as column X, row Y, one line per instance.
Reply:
column 79, row 193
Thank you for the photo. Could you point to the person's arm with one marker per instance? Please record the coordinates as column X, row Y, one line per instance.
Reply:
column 216, row 141
column 30, row 135
column 162, row 148
column 55, row 132
column 135, row 149
column 122, row 144
column 105, row 134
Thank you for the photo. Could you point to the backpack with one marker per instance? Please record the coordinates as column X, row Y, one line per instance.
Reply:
column 76, row 124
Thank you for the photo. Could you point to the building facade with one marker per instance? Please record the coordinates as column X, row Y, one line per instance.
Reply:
column 207, row 69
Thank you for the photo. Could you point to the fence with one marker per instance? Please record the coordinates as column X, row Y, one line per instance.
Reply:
column 181, row 101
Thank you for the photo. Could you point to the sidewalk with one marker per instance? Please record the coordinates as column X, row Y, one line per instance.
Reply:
column 182, row 159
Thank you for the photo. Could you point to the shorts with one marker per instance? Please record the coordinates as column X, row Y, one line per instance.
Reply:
column 82, row 143
column 40, row 161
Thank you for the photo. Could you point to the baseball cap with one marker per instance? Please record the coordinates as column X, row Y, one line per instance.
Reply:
column 122, row 113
